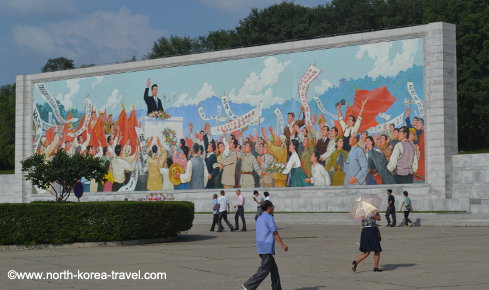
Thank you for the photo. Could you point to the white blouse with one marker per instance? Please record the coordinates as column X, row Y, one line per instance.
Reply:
column 294, row 162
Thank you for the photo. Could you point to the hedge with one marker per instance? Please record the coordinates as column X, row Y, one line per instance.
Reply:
column 55, row 223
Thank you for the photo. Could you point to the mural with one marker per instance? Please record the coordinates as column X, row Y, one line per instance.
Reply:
column 331, row 117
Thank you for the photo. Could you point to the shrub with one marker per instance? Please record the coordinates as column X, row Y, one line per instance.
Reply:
column 57, row 223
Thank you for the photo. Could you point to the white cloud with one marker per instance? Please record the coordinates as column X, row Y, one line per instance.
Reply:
column 256, row 87
column 384, row 65
column 323, row 87
column 99, row 37
column 114, row 100
column 204, row 93
column 67, row 100
column 98, row 80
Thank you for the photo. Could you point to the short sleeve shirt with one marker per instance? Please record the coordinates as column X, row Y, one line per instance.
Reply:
column 214, row 203
column 391, row 200
column 223, row 203
column 265, row 227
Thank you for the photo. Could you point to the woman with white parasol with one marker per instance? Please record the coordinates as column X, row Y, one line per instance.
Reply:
column 366, row 210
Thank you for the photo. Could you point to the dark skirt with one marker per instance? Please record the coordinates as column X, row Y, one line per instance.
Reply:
column 369, row 241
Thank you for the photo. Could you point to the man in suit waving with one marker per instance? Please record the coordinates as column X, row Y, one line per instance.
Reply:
column 152, row 102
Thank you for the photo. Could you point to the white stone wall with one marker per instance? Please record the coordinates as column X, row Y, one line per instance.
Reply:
column 441, row 120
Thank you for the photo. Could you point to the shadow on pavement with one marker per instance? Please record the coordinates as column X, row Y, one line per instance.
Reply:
column 193, row 238
column 391, row 267
column 311, row 288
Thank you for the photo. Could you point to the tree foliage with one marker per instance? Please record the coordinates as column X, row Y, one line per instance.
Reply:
column 288, row 21
column 7, row 127
column 62, row 169
column 59, row 63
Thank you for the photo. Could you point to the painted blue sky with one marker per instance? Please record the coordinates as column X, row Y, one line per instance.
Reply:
column 106, row 31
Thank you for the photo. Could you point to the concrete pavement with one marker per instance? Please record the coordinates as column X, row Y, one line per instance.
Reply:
column 319, row 258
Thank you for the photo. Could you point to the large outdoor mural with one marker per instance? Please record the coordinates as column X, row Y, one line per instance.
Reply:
column 331, row 117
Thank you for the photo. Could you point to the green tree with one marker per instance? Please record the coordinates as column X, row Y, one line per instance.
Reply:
column 59, row 63
column 7, row 127
column 62, row 169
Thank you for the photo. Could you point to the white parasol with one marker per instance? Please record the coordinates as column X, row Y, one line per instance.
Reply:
column 365, row 207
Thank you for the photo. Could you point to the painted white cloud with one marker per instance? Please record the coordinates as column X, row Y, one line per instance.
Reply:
column 256, row 87
column 323, row 87
column 67, row 99
column 114, row 100
column 99, row 37
column 98, row 80
column 384, row 65
column 204, row 93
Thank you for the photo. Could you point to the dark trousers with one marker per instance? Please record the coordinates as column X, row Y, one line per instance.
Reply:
column 214, row 221
column 407, row 221
column 391, row 211
column 116, row 186
column 239, row 213
column 268, row 265
column 223, row 215
column 404, row 179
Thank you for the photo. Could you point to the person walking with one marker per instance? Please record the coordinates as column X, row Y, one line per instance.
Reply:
column 391, row 209
column 214, row 212
column 223, row 209
column 369, row 241
column 407, row 207
column 239, row 211
column 266, row 235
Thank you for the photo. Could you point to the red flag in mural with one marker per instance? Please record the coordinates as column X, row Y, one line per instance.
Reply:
column 97, row 135
column 50, row 135
column 132, row 135
column 379, row 101
column 67, row 130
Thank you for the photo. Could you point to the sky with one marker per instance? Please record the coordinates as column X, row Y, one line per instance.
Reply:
column 106, row 31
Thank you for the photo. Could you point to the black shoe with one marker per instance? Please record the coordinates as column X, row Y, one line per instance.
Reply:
column 376, row 269
column 388, row 225
column 211, row 230
column 243, row 230
column 393, row 226
column 354, row 266
column 236, row 229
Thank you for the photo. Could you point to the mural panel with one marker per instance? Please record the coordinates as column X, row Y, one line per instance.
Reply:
column 331, row 117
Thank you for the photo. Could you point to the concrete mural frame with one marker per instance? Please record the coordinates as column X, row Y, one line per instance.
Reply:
column 440, row 88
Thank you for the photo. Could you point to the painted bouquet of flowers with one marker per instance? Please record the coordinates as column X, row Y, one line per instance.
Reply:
column 159, row 115
column 170, row 136
column 109, row 177
column 277, row 167
column 157, row 197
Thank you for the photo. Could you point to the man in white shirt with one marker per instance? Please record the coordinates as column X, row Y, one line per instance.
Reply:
column 119, row 167
column 351, row 126
column 320, row 177
column 223, row 205
column 239, row 211
column 267, row 196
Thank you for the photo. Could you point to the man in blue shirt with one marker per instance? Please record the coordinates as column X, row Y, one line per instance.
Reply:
column 214, row 212
column 266, row 235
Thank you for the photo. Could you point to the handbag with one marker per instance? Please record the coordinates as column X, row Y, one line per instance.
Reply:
column 378, row 233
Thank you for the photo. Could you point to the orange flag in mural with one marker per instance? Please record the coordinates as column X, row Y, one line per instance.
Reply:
column 379, row 101
column 123, row 125
column 67, row 129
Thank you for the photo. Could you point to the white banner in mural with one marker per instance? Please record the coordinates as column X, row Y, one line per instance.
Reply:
column 252, row 117
column 322, row 109
column 414, row 96
column 397, row 121
column 311, row 74
column 227, row 108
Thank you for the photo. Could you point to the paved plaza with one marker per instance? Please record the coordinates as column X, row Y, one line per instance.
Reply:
column 319, row 257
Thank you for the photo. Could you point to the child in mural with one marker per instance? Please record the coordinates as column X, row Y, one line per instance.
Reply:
column 165, row 174
column 336, row 162
column 297, row 176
